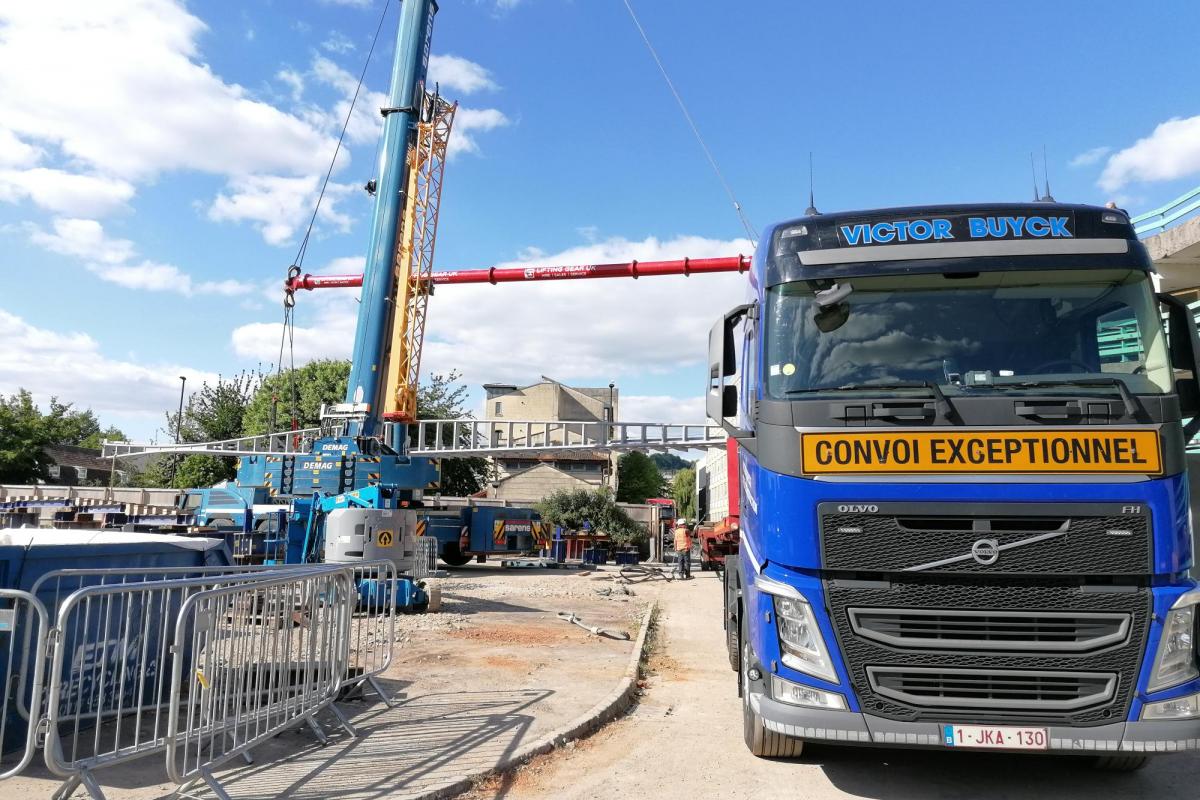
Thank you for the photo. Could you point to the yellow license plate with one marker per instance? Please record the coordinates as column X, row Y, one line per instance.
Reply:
column 949, row 452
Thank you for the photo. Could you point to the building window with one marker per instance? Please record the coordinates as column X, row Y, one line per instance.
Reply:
column 55, row 471
column 81, row 473
column 608, row 414
column 499, row 412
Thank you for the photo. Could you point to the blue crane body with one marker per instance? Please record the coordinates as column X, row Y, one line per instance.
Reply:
column 964, row 504
column 358, row 473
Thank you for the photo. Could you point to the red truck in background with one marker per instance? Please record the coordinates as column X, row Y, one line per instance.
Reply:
column 718, row 537
column 716, row 542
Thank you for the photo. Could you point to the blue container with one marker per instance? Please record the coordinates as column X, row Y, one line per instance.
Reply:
column 626, row 557
column 595, row 555
column 558, row 550
column 26, row 555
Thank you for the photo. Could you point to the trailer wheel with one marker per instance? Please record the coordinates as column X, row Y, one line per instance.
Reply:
column 453, row 557
column 762, row 742
column 1120, row 763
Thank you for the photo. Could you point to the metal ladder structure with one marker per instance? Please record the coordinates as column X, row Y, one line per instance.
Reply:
column 465, row 437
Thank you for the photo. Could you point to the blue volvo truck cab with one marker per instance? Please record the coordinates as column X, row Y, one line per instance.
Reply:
column 964, row 504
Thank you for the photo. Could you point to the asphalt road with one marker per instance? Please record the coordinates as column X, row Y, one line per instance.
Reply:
column 684, row 740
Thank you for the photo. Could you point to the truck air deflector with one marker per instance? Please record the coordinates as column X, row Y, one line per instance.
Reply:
column 907, row 252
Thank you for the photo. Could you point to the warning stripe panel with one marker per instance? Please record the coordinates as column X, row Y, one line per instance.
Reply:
column 956, row 452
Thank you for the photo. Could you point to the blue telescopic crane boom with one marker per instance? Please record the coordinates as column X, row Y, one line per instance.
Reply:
column 377, row 307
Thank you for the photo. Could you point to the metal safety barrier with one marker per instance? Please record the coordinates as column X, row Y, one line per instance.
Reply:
column 252, row 660
column 373, row 629
column 425, row 558
column 22, row 618
column 108, row 691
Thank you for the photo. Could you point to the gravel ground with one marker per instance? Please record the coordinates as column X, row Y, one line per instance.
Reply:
column 495, row 669
column 684, row 741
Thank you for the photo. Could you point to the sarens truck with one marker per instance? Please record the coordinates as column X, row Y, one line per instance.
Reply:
column 964, row 505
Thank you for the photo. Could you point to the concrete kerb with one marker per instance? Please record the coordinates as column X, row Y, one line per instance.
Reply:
column 608, row 709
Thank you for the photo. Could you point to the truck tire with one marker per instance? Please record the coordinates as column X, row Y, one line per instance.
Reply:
column 452, row 556
column 1125, row 763
column 760, row 741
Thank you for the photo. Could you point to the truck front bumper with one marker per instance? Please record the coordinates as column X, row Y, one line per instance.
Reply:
column 848, row 727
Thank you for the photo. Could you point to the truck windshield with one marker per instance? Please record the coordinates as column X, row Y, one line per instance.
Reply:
column 1008, row 329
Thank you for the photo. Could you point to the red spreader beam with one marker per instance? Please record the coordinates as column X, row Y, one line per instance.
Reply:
column 628, row 269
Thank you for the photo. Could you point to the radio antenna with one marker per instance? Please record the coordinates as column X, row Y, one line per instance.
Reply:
column 1046, row 173
column 1033, row 169
column 811, row 211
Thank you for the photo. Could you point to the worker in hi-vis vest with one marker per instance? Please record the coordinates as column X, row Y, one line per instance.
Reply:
column 683, row 550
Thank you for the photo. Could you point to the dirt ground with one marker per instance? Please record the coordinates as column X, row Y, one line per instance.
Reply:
column 494, row 670
column 684, row 741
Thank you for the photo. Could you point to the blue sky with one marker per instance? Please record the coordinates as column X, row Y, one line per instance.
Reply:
column 157, row 163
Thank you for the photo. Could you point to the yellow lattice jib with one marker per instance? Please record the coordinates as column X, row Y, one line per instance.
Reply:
column 414, row 257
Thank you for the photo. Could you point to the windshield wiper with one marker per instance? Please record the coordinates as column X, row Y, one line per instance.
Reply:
column 942, row 402
column 1133, row 406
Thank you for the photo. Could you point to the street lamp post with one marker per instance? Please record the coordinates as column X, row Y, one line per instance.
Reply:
column 178, row 426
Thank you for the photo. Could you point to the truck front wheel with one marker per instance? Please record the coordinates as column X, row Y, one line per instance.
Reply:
column 453, row 557
column 762, row 742
column 1120, row 763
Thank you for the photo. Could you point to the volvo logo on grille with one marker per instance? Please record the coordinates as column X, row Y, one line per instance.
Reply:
column 858, row 509
column 986, row 551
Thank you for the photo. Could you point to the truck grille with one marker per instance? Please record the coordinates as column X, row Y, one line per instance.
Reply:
column 1100, row 539
column 1002, row 689
column 954, row 629
column 910, row 660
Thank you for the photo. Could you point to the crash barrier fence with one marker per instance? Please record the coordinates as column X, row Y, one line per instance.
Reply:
column 200, row 663
column 425, row 561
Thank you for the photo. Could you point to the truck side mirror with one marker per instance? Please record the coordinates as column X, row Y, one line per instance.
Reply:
column 1184, row 343
column 721, row 402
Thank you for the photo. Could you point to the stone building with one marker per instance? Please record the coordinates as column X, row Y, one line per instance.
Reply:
column 530, row 477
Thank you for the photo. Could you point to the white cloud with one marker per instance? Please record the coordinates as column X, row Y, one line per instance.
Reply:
column 110, row 259
column 459, row 74
column 70, row 366
column 146, row 103
column 1089, row 157
column 337, row 42
column 153, row 277
column 294, row 81
column 83, row 239
column 279, row 206
column 470, row 121
column 1171, row 151
column 65, row 192
column 366, row 124
column 15, row 153
column 576, row 330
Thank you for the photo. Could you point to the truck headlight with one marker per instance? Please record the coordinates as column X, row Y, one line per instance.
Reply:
column 1179, row 708
column 800, row 639
column 1175, row 661
column 796, row 695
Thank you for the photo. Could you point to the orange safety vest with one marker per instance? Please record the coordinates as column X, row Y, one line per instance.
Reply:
column 683, row 541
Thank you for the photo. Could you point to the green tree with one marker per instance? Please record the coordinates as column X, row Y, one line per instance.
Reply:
column 25, row 432
column 669, row 461
column 683, row 491
column 213, row 412
column 316, row 383
column 572, row 508
column 637, row 478
column 443, row 397
column 70, row 427
column 324, row 382
column 23, row 435
column 95, row 440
